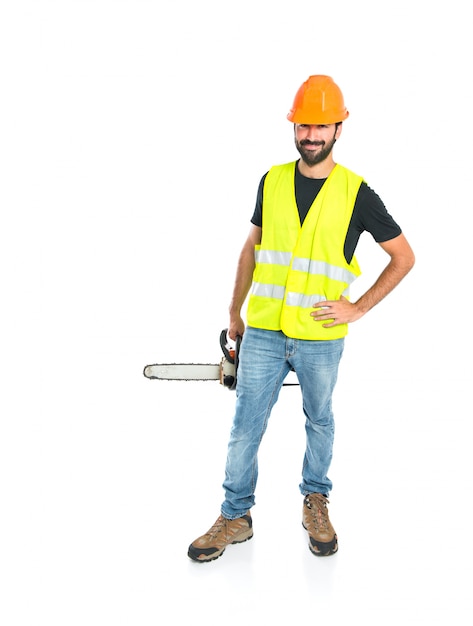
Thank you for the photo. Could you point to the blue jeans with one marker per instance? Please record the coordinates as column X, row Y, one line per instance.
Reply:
column 266, row 357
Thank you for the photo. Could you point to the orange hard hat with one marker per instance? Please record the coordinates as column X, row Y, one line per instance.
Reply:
column 318, row 101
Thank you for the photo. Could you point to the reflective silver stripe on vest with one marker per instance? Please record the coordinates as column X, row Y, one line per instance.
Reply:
column 298, row 299
column 320, row 267
column 267, row 290
column 300, row 264
column 275, row 257
column 306, row 302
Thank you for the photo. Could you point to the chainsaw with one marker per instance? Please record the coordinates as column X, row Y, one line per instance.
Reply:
column 225, row 371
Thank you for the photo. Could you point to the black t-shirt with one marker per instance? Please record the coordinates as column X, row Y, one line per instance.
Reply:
column 369, row 212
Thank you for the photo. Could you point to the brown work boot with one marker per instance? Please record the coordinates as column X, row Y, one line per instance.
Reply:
column 224, row 532
column 315, row 519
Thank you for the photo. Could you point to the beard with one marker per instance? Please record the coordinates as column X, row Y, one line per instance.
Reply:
column 310, row 157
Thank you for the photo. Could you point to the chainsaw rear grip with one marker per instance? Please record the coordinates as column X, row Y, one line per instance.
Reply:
column 232, row 356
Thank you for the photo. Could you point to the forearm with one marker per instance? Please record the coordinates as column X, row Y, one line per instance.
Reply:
column 243, row 279
column 389, row 278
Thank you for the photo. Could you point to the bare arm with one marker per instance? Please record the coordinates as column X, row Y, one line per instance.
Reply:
column 342, row 311
column 244, row 275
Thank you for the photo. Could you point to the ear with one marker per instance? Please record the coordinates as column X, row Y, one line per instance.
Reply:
column 338, row 132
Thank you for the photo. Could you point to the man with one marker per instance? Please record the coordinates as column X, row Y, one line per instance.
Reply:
column 299, row 262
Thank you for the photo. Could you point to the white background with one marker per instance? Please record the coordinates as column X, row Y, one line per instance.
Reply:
column 133, row 137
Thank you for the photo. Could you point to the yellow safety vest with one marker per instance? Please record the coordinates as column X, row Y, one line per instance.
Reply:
column 298, row 266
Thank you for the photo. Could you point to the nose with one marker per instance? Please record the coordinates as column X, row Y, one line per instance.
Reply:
column 312, row 132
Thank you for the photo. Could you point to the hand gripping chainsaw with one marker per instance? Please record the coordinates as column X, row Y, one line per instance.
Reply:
column 225, row 371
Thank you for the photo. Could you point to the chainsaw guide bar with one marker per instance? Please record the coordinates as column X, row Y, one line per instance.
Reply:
column 183, row 371
column 189, row 371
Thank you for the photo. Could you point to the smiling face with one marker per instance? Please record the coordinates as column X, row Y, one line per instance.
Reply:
column 315, row 141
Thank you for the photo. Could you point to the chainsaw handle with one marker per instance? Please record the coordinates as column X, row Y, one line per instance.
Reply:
column 228, row 352
column 237, row 355
column 231, row 355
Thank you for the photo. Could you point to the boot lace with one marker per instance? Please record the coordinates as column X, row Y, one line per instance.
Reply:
column 317, row 504
column 217, row 528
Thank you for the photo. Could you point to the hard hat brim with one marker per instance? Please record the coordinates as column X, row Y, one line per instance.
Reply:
column 292, row 116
